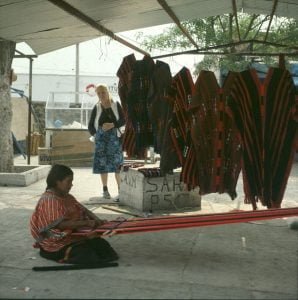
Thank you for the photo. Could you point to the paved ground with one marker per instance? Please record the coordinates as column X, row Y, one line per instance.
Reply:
column 256, row 260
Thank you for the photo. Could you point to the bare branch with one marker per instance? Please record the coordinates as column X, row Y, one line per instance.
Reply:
column 221, row 24
column 253, row 18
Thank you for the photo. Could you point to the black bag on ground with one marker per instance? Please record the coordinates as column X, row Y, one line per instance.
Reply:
column 89, row 251
column 95, row 250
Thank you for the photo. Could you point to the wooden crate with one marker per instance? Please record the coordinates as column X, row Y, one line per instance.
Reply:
column 72, row 148
column 36, row 141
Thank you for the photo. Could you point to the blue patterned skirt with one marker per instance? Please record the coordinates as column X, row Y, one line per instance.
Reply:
column 108, row 155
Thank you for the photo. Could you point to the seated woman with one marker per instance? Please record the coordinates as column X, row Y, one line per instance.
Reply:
column 57, row 215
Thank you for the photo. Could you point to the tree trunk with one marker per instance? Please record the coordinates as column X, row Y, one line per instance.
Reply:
column 7, row 49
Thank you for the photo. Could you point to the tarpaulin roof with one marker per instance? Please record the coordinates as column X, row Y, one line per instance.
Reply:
column 48, row 25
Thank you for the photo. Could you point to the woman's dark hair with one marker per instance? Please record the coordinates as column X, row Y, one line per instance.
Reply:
column 57, row 173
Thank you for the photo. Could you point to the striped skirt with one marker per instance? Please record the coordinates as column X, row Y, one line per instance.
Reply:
column 108, row 155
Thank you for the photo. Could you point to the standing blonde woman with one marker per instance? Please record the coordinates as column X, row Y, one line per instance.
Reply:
column 105, row 124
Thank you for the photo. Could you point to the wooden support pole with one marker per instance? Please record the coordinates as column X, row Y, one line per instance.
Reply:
column 29, row 112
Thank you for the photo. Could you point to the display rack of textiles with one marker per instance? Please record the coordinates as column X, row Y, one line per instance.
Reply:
column 213, row 133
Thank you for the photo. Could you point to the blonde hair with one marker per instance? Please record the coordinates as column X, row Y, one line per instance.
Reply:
column 103, row 87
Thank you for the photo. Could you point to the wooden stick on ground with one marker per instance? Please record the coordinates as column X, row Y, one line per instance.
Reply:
column 121, row 211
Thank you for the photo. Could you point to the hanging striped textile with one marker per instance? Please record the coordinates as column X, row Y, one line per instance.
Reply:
column 124, row 74
column 190, row 172
column 137, row 103
column 183, row 86
column 203, row 134
column 135, row 225
column 174, row 146
column 280, row 134
column 229, row 151
column 264, row 116
column 245, row 105
column 215, row 140
column 158, row 104
column 168, row 156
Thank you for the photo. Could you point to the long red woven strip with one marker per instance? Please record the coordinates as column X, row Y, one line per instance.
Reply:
column 176, row 222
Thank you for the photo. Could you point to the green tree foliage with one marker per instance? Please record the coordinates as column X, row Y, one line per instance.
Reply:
column 220, row 30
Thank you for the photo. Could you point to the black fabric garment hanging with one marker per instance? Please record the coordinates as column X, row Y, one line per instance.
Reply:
column 138, row 105
column 229, row 149
column 168, row 156
column 158, row 104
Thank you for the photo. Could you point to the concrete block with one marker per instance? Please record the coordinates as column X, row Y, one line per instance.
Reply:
column 156, row 193
column 24, row 175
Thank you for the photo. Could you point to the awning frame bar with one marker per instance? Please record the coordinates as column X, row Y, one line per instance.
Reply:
column 176, row 20
column 89, row 21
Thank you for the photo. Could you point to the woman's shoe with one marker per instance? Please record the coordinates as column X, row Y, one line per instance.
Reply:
column 106, row 195
column 116, row 199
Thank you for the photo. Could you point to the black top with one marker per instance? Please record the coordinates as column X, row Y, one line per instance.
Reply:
column 107, row 116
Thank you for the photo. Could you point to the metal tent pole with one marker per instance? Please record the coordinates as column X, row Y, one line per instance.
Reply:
column 29, row 112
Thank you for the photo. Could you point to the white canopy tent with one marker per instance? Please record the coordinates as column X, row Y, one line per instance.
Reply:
column 48, row 25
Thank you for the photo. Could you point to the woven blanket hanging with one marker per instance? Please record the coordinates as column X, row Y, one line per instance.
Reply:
column 264, row 116
column 214, row 136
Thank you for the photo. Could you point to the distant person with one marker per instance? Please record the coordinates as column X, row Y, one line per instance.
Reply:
column 58, row 214
column 105, row 124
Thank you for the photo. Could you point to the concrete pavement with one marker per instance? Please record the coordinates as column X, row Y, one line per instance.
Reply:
column 255, row 260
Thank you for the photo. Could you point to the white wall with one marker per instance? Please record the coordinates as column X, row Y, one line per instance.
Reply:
column 19, row 122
